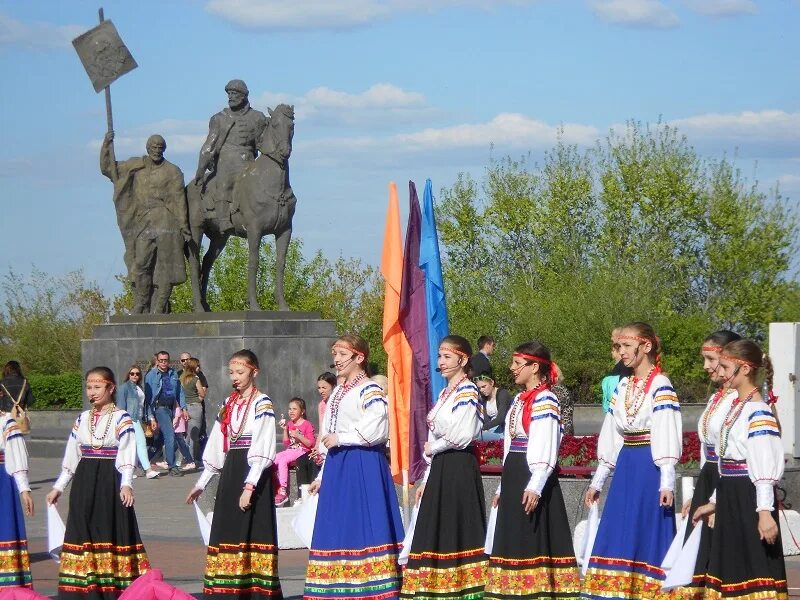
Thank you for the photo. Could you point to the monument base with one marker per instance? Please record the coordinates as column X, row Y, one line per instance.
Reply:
column 293, row 348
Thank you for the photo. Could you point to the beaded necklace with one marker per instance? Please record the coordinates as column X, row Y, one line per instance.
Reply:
column 443, row 397
column 519, row 402
column 236, row 434
column 97, row 442
column 716, row 399
column 333, row 403
column 635, row 397
column 730, row 419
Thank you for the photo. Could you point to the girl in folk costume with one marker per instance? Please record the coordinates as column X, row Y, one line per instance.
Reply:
column 640, row 442
column 15, row 494
column 746, row 550
column 447, row 558
column 103, row 551
column 532, row 554
column 708, row 431
column 242, row 557
column 357, row 530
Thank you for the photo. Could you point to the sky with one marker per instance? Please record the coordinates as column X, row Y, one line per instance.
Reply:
column 384, row 90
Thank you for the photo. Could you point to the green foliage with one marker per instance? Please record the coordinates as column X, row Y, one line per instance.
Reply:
column 637, row 228
column 57, row 391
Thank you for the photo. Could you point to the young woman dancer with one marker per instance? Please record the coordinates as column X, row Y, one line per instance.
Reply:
column 15, row 495
column 532, row 554
column 708, row 431
column 746, row 558
column 298, row 440
column 357, row 531
column 447, row 558
column 640, row 442
column 242, row 554
column 103, row 551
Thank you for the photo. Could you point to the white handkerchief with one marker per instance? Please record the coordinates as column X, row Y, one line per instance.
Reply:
column 55, row 532
column 489, row 543
column 303, row 523
column 675, row 547
column 591, row 532
column 402, row 558
column 682, row 570
column 204, row 522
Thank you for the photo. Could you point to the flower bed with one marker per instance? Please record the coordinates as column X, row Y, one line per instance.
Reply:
column 578, row 453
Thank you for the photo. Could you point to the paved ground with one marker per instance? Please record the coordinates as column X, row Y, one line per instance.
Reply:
column 171, row 537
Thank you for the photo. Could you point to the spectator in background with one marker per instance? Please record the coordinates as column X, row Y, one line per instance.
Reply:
column 162, row 392
column 298, row 440
column 186, row 356
column 130, row 398
column 325, row 384
column 565, row 402
column 15, row 388
column 610, row 381
column 194, row 393
column 480, row 360
column 179, row 428
column 496, row 402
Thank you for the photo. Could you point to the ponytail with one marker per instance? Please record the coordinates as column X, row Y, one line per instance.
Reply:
column 771, row 398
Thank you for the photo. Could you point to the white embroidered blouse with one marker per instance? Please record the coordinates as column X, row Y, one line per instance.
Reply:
column 12, row 446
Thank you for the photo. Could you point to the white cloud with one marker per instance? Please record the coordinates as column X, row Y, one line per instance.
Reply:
column 635, row 13
column 326, row 14
column 790, row 181
column 765, row 126
column 722, row 8
column 37, row 35
column 183, row 137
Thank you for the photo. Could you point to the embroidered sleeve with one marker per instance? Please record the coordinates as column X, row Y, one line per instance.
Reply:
column 213, row 457
column 72, row 455
column 543, row 440
column 126, row 450
column 609, row 443
column 16, row 455
column 666, row 432
column 262, row 446
column 464, row 423
column 764, row 454
column 372, row 428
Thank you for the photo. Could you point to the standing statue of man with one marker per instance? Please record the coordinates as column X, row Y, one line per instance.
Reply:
column 233, row 135
column 150, row 201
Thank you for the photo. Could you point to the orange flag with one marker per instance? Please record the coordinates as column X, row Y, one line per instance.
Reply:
column 395, row 343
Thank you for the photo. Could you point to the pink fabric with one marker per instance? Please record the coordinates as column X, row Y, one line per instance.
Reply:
column 151, row 586
column 178, row 422
column 284, row 460
column 20, row 593
column 306, row 429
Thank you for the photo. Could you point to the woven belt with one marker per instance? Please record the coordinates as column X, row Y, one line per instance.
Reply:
column 733, row 468
column 242, row 442
column 711, row 454
column 636, row 438
column 519, row 444
column 2, row 457
column 89, row 452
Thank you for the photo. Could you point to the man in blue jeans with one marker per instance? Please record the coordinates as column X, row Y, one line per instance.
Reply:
column 162, row 392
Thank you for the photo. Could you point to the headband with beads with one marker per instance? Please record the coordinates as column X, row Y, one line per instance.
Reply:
column 99, row 379
column 643, row 340
column 553, row 366
column 348, row 347
column 243, row 362
column 454, row 350
column 739, row 361
column 711, row 349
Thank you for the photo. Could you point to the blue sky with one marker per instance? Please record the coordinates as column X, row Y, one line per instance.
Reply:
column 383, row 90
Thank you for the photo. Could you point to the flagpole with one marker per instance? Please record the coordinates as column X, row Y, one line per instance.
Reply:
column 406, row 512
column 109, row 117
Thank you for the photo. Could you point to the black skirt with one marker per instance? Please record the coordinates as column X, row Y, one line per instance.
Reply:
column 707, row 482
column 532, row 554
column 740, row 564
column 103, row 551
column 447, row 558
column 242, row 555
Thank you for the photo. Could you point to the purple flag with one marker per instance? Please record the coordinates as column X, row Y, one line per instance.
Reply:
column 414, row 321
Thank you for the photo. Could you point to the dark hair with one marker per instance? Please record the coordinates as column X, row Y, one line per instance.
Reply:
column 645, row 330
column 462, row 345
column 141, row 374
column 621, row 370
column 247, row 355
column 539, row 350
column 301, row 403
column 722, row 337
column 11, row 369
column 328, row 378
column 360, row 345
column 749, row 351
column 483, row 340
column 106, row 374
column 160, row 352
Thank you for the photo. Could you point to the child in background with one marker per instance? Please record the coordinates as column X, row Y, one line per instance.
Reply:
column 179, row 425
column 298, row 439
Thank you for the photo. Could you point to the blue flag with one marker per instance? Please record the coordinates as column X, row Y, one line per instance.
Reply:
column 431, row 264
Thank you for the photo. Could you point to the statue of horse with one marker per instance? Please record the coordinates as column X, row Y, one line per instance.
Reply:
column 262, row 203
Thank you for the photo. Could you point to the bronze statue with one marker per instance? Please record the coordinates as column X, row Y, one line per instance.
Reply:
column 151, row 211
column 261, row 200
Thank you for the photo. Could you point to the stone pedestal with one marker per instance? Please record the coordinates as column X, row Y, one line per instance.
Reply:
column 293, row 348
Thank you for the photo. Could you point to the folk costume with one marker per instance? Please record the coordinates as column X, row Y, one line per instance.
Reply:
column 242, row 558
column 741, row 565
column 15, row 568
column 640, row 442
column 103, row 551
column 708, row 430
column 447, row 558
column 358, row 531
column 532, row 554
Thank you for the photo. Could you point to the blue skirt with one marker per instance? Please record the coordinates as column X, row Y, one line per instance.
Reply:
column 15, row 567
column 634, row 532
column 358, row 531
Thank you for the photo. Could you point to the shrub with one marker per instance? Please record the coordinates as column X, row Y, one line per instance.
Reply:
column 57, row 391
